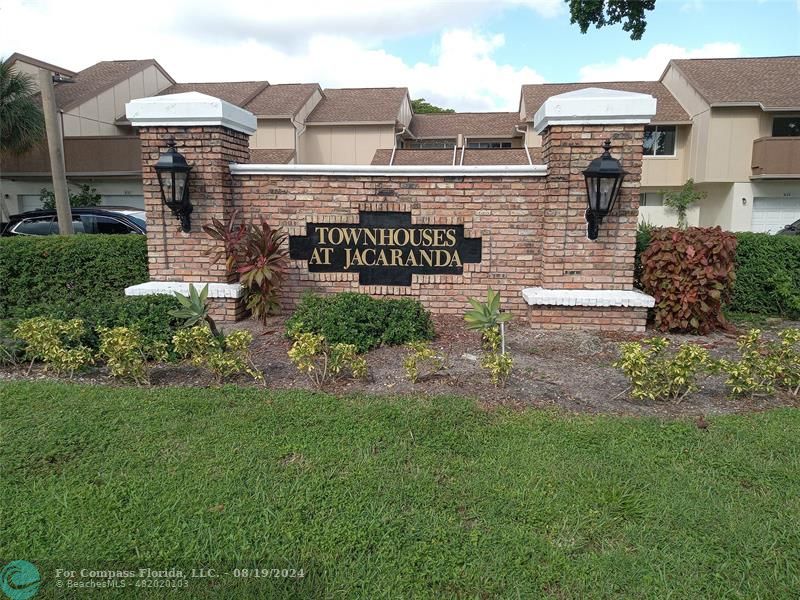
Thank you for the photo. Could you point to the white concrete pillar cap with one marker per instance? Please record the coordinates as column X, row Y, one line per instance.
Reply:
column 189, row 109
column 595, row 106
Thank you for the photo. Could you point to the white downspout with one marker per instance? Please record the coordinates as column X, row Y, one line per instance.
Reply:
column 524, row 145
column 464, row 147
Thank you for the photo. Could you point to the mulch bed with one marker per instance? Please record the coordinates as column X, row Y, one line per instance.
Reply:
column 567, row 370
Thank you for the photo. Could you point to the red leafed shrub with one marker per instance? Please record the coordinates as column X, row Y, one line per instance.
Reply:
column 690, row 273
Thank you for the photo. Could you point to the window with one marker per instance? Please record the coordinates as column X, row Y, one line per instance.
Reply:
column 432, row 144
column 651, row 199
column 786, row 126
column 659, row 140
column 102, row 224
column 35, row 226
column 489, row 144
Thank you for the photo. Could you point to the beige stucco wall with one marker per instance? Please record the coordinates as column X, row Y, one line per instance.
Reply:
column 28, row 69
column 344, row 144
column 96, row 116
column 273, row 133
column 662, row 216
column 729, row 148
column 668, row 170
column 126, row 192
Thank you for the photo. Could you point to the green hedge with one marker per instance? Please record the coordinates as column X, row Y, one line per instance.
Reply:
column 767, row 275
column 83, row 277
column 67, row 274
column 362, row 320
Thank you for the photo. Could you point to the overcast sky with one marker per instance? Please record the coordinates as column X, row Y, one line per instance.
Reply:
column 465, row 54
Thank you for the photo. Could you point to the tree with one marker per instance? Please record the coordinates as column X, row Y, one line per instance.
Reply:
column 21, row 118
column 421, row 106
column 632, row 13
column 87, row 197
column 681, row 200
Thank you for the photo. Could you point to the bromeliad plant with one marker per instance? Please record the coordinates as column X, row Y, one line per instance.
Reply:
column 194, row 309
column 487, row 318
column 257, row 253
column 56, row 343
column 486, row 315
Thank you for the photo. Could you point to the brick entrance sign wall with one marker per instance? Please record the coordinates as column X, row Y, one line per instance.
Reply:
column 530, row 219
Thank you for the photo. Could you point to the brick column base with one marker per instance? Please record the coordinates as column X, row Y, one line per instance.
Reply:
column 613, row 318
column 227, row 310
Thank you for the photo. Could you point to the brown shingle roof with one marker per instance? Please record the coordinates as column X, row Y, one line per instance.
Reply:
column 449, row 125
column 668, row 110
column 773, row 82
column 96, row 79
column 271, row 156
column 472, row 156
column 283, row 99
column 376, row 105
column 235, row 92
column 39, row 63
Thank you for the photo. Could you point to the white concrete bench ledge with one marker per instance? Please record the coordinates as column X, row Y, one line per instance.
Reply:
column 215, row 290
column 538, row 296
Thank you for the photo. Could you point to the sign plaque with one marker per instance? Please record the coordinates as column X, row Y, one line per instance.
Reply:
column 384, row 248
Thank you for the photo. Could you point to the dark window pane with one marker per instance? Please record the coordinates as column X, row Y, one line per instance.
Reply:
column 666, row 141
column 109, row 225
column 786, row 126
column 38, row 226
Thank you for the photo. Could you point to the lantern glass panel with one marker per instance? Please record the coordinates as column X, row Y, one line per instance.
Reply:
column 165, row 181
column 179, row 181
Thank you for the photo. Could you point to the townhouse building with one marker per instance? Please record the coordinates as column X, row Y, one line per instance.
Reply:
column 731, row 125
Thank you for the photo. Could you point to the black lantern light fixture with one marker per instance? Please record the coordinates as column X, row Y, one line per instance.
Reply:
column 173, row 178
column 604, row 177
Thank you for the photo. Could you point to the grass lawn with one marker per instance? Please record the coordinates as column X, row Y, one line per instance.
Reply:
column 377, row 498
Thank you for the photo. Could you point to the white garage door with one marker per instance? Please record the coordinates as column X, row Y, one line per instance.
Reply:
column 770, row 215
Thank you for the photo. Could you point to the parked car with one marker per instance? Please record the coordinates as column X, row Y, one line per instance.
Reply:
column 793, row 229
column 108, row 219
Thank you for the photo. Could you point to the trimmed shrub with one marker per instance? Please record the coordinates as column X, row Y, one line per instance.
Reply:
column 690, row 273
column 67, row 275
column 767, row 275
column 361, row 320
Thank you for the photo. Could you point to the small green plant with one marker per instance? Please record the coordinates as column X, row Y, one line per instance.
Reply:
column 495, row 360
column 86, row 197
column 422, row 361
column 764, row 366
column 682, row 200
column 224, row 355
column 194, row 309
column 126, row 353
column 321, row 361
column 486, row 316
column 655, row 375
column 56, row 343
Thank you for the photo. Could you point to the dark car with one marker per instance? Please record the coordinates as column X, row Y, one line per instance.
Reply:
column 84, row 220
column 793, row 229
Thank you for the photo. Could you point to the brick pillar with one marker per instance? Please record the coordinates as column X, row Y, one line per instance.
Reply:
column 588, row 284
column 211, row 134
column 569, row 259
